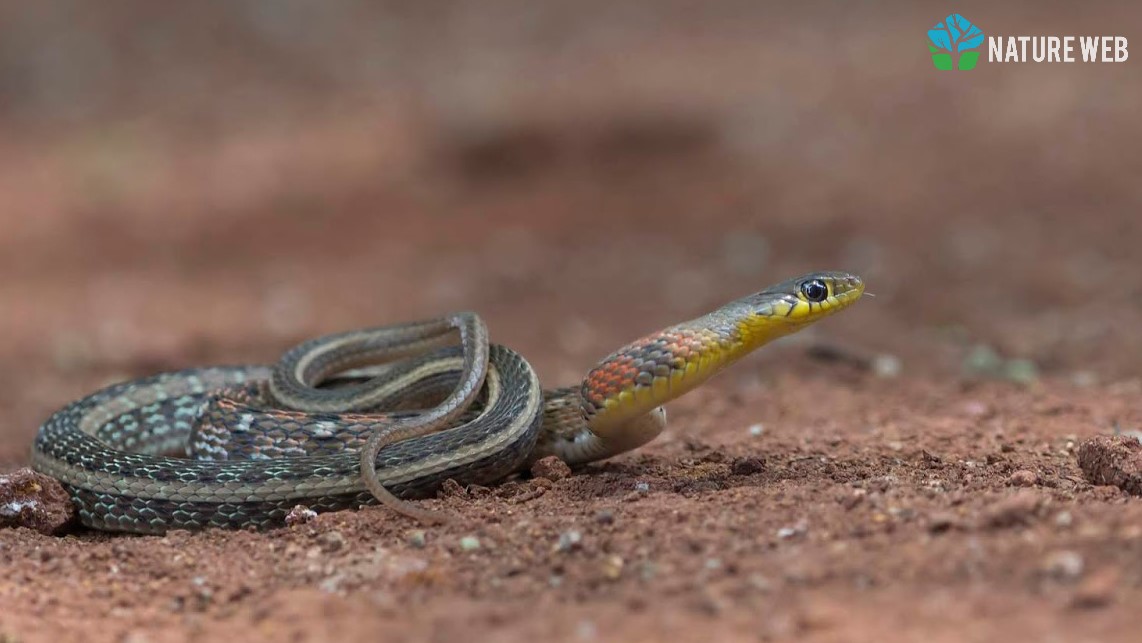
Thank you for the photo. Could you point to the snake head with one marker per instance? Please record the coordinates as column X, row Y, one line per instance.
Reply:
column 807, row 298
column 791, row 305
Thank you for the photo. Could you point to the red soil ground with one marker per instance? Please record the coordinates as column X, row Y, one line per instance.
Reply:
column 625, row 183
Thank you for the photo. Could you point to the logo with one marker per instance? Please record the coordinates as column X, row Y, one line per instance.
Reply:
column 1057, row 49
column 952, row 42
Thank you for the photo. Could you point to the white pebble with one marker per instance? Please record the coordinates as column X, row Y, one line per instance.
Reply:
column 887, row 366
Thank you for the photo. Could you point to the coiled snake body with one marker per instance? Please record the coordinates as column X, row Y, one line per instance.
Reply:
column 262, row 439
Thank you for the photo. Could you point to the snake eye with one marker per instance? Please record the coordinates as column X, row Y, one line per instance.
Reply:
column 815, row 290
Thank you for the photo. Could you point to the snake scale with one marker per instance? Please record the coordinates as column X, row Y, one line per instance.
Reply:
column 240, row 446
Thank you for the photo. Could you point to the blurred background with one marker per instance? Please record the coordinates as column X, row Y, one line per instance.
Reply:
column 211, row 181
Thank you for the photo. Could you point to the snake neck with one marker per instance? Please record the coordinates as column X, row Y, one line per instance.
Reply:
column 567, row 434
column 638, row 378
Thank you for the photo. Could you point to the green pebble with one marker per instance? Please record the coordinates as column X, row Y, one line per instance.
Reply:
column 983, row 360
column 1022, row 371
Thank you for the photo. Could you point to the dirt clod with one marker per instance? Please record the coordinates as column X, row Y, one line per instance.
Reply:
column 747, row 466
column 452, row 489
column 1113, row 460
column 35, row 501
column 1023, row 478
column 550, row 468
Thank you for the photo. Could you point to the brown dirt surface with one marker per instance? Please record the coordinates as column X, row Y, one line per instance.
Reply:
column 216, row 185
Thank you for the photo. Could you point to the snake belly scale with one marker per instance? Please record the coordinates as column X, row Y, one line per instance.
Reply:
column 263, row 439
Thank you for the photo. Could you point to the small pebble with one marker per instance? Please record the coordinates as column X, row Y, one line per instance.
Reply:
column 1023, row 478
column 418, row 538
column 887, row 366
column 299, row 515
column 613, row 567
column 469, row 543
column 569, row 541
column 1064, row 519
column 550, row 468
column 786, row 533
column 1063, row 564
column 756, row 429
column 640, row 491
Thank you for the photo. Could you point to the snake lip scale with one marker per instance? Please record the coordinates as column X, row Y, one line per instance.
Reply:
column 240, row 446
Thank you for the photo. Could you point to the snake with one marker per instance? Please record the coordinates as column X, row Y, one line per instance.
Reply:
column 384, row 415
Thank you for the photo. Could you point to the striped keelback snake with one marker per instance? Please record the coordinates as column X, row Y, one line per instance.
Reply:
column 262, row 439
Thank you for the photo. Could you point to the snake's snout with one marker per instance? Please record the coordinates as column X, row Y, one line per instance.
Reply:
column 845, row 287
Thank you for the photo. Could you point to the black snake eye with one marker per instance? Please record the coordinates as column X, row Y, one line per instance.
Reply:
column 815, row 290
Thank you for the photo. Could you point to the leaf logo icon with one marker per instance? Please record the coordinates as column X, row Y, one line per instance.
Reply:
column 952, row 38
